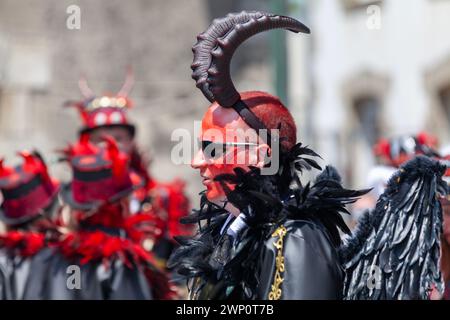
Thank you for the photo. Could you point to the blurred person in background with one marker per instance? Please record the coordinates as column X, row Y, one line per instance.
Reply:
column 391, row 154
column 104, row 239
column 107, row 115
column 397, row 150
column 28, row 210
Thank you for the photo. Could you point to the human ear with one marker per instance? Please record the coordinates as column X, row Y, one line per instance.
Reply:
column 262, row 152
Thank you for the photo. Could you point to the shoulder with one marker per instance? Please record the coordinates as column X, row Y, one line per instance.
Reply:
column 305, row 228
column 306, row 235
column 300, row 262
column 308, row 230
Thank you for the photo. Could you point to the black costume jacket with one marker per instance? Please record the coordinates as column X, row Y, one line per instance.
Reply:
column 108, row 260
column 18, row 249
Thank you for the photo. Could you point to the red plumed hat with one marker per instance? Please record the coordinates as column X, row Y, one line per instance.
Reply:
column 27, row 189
column 105, row 111
column 101, row 174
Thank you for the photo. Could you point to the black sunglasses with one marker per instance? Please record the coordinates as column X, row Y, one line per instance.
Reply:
column 214, row 150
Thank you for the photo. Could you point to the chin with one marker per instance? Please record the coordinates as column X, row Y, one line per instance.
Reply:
column 214, row 197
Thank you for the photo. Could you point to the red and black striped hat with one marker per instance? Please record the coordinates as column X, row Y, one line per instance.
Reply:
column 101, row 174
column 27, row 189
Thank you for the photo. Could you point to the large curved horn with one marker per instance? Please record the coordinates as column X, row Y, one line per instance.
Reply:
column 84, row 88
column 128, row 84
column 215, row 48
column 30, row 162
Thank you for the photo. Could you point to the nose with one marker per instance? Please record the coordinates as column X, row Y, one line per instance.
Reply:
column 198, row 161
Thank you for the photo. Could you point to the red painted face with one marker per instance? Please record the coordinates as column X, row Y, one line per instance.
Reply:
column 121, row 135
column 220, row 125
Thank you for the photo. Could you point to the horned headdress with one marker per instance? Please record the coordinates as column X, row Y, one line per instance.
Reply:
column 106, row 110
column 215, row 48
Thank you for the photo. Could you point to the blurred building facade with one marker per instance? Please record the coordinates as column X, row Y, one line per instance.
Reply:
column 377, row 69
column 41, row 61
column 348, row 83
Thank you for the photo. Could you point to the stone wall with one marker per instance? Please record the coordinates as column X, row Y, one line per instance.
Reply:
column 41, row 61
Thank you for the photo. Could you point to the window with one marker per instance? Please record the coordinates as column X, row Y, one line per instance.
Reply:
column 437, row 84
column 366, row 109
column 363, row 96
column 364, row 131
column 444, row 99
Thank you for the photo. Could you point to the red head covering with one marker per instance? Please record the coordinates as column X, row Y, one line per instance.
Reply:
column 100, row 174
column 397, row 150
column 27, row 189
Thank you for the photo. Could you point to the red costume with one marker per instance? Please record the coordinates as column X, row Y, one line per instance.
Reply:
column 29, row 197
column 106, row 243
column 166, row 200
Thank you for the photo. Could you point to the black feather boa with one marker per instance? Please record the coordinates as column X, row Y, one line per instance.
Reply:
column 266, row 201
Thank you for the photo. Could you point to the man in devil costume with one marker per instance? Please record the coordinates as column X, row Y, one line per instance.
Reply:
column 108, row 115
column 265, row 235
column 106, row 241
column 28, row 208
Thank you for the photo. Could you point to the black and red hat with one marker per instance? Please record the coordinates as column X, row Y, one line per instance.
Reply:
column 400, row 149
column 101, row 174
column 27, row 189
column 109, row 110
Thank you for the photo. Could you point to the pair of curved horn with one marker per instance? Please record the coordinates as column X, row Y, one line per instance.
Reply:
column 123, row 92
column 215, row 48
column 4, row 170
column 30, row 160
